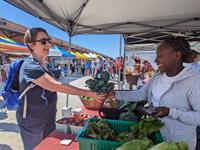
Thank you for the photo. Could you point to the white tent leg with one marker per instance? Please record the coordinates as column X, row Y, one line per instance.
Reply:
column 68, row 70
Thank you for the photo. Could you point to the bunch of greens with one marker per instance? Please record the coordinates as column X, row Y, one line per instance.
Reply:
column 146, row 144
column 146, row 127
column 100, row 130
column 101, row 84
column 128, row 110
column 170, row 146
column 136, row 144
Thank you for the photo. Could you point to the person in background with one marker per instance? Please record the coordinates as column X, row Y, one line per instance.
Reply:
column 114, row 69
column 110, row 68
column 42, row 98
column 117, row 65
column 73, row 67
column 93, row 67
column 99, row 66
column 83, row 67
column 3, row 75
column 173, row 91
column 195, row 65
column 87, row 67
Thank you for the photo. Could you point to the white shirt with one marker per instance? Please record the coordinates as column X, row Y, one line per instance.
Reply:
column 162, row 84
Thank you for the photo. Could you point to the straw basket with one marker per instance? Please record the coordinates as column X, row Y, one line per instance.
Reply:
column 91, row 104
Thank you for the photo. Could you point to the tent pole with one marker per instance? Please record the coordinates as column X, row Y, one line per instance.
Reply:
column 124, row 62
column 68, row 69
column 120, row 53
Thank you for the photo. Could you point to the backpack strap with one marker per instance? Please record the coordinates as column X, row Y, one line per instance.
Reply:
column 25, row 99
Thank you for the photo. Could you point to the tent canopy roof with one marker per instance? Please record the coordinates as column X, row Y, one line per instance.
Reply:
column 61, row 52
column 9, row 45
column 143, row 21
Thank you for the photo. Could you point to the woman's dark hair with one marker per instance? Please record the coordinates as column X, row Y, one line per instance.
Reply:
column 179, row 44
column 30, row 35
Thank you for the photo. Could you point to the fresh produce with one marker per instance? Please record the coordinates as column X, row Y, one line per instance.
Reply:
column 128, row 111
column 101, row 130
column 170, row 146
column 137, row 144
column 86, row 98
column 146, row 127
column 101, row 85
column 146, row 144
column 122, row 110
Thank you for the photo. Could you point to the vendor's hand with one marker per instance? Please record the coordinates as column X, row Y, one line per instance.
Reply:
column 111, row 95
column 98, row 97
column 161, row 112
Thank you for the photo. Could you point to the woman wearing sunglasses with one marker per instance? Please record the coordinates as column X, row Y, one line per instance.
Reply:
column 42, row 98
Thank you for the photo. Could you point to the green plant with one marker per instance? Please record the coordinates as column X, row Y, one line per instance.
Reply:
column 101, row 85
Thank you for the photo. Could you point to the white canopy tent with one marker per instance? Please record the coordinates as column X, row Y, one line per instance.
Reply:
column 142, row 21
column 92, row 55
column 116, row 16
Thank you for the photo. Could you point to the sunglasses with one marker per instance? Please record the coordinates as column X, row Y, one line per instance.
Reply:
column 43, row 41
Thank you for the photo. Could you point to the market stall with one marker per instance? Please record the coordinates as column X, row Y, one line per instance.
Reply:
column 82, row 17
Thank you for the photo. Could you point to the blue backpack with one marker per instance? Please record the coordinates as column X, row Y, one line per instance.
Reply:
column 10, row 90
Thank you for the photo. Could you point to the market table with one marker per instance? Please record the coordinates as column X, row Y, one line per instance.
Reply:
column 52, row 141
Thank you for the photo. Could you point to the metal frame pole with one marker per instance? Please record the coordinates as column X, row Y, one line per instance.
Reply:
column 120, row 53
column 68, row 70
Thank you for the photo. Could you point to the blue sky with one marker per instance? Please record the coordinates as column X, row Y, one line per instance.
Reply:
column 105, row 44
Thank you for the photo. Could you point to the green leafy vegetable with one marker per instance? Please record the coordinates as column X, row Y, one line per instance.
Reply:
column 100, row 130
column 146, row 127
column 170, row 146
column 137, row 144
column 101, row 85
column 86, row 98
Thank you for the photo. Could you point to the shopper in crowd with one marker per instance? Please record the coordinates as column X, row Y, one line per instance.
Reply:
column 110, row 68
column 99, row 67
column 173, row 91
column 83, row 67
column 93, row 67
column 195, row 65
column 42, row 98
column 114, row 69
column 3, row 75
column 87, row 67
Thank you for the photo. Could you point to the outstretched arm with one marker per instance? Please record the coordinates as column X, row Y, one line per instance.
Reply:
column 49, row 83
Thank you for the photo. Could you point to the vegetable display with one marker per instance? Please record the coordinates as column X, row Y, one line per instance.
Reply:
column 101, row 130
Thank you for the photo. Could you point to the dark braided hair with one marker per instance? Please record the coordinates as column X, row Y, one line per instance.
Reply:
column 179, row 44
